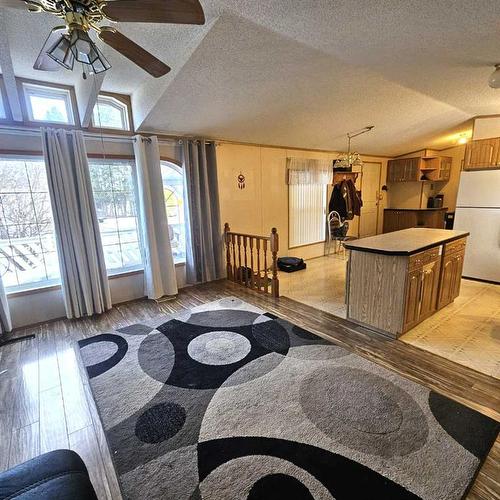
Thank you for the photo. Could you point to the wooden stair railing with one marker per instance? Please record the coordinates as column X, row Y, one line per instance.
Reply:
column 247, row 258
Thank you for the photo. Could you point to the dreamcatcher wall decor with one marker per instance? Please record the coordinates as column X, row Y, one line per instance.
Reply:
column 241, row 181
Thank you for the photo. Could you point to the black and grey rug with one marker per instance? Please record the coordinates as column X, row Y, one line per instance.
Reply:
column 229, row 402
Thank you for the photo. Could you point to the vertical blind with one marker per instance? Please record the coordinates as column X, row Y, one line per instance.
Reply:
column 307, row 212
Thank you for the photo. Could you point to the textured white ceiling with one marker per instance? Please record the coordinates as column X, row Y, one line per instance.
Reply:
column 302, row 73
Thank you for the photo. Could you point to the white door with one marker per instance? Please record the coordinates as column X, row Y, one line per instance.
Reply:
column 370, row 185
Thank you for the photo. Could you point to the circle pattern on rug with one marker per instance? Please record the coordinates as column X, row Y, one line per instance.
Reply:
column 160, row 422
column 219, row 348
column 365, row 412
column 288, row 486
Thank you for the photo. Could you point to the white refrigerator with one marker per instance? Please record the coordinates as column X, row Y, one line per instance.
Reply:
column 478, row 211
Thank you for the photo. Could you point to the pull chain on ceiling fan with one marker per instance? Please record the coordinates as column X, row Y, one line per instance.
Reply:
column 71, row 42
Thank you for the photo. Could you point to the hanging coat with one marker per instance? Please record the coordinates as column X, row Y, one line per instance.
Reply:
column 345, row 200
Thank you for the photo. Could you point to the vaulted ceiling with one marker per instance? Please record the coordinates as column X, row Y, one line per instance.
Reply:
column 303, row 73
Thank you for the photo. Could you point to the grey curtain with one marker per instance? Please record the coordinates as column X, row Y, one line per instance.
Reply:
column 5, row 321
column 159, row 269
column 203, row 236
column 81, row 259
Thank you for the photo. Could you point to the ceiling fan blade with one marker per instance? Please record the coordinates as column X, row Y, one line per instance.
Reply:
column 148, row 62
column 43, row 61
column 155, row 11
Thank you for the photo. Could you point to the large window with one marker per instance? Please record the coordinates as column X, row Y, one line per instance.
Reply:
column 173, row 189
column 48, row 104
column 110, row 112
column 28, row 256
column 307, row 213
column 113, row 185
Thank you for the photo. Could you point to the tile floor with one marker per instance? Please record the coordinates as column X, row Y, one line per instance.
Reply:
column 467, row 331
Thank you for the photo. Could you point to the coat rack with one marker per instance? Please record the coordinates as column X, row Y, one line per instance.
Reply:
column 338, row 177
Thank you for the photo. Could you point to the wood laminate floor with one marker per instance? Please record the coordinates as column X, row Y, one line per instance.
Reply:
column 45, row 401
column 466, row 331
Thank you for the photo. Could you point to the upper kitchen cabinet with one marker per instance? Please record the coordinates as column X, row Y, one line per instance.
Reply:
column 482, row 154
column 425, row 168
column 403, row 170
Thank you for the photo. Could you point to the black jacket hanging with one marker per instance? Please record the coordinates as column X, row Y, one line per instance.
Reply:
column 337, row 202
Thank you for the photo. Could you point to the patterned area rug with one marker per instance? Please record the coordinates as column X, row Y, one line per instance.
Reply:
column 226, row 401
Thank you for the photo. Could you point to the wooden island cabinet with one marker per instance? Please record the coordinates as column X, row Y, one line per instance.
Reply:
column 398, row 279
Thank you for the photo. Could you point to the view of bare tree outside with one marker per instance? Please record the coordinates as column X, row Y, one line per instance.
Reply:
column 113, row 186
column 27, row 241
column 173, row 191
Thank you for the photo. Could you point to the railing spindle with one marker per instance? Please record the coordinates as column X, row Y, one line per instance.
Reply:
column 266, row 278
column 251, row 263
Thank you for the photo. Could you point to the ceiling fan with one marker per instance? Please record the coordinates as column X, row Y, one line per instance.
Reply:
column 71, row 42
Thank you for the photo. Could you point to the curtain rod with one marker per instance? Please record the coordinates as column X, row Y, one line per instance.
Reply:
column 13, row 130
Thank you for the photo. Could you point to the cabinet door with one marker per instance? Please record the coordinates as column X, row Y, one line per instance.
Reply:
column 447, row 286
column 412, row 298
column 429, row 289
column 445, row 168
column 394, row 171
column 412, row 169
column 457, row 274
column 390, row 221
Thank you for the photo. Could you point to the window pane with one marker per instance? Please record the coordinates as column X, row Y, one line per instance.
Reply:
column 114, row 196
column 48, row 104
column 307, row 212
column 28, row 254
column 110, row 113
column 173, row 190
column 48, row 109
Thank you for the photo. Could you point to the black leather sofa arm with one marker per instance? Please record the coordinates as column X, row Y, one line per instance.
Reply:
column 59, row 474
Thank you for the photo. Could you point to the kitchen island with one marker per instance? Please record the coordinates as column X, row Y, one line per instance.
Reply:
column 398, row 279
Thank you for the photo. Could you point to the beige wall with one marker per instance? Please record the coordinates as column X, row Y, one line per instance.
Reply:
column 263, row 204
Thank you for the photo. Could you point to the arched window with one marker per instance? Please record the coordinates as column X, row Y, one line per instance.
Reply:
column 173, row 190
column 110, row 112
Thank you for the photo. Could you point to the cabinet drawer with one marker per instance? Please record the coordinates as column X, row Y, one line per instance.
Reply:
column 416, row 261
column 422, row 258
column 455, row 246
column 431, row 255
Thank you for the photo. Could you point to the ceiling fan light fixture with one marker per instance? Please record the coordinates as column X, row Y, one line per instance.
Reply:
column 83, row 48
column 61, row 53
column 100, row 64
column 494, row 80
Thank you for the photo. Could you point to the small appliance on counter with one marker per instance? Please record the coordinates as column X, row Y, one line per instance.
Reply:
column 436, row 201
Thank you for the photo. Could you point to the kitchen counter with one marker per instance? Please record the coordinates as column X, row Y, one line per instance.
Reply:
column 405, row 242
column 418, row 209
column 396, row 280
column 396, row 219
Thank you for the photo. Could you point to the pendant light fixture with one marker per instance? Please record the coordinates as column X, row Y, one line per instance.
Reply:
column 346, row 161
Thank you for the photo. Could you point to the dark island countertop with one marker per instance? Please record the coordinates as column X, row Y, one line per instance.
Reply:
column 405, row 242
column 417, row 209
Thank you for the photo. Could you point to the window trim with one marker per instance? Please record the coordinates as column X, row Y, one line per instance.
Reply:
column 5, row 102
column 124, row 99
column 32, row 287
column 71, row 103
